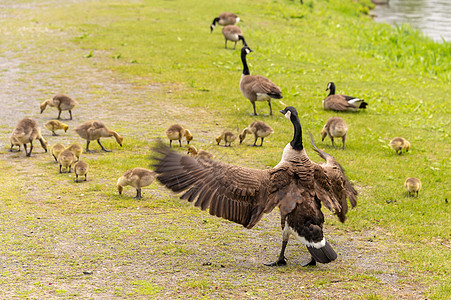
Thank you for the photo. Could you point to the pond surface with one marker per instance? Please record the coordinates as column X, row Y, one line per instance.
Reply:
column 433, row 17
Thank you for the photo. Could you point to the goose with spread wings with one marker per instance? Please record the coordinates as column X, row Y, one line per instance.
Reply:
column 297, row 185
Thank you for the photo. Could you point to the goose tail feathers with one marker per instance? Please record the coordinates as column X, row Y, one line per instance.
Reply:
column 324, row 255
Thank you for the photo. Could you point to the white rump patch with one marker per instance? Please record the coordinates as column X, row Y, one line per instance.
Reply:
column 288, row 230
column 354, row 101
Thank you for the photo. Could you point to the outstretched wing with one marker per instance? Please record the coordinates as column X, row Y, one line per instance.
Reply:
column 231, row 192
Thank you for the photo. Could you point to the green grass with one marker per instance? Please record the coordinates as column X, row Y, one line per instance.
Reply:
column 404, row 76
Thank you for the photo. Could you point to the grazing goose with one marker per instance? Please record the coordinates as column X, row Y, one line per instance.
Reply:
column 177, row 132
column 260, row 130
column 233, row 33
column 412, row 185
column 66, row 159
column 77, row 149
column 61, row 102
column 227, row 136
column 54, row 125
column 226, row 18
column 335, row 127
column 192, row 151
column 137, row 178
column 56, row 150
column 296, row 185
column 398, row 144
column 341, row 102
column 81, row 168
column 256, row 87
column 93, row 131
column 26, row 131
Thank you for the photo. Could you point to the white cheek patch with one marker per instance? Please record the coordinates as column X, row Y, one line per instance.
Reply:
column 247, row 51
column 288, row 115
column 328, row 86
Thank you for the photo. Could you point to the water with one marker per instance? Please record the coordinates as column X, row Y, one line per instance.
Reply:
column 433, row 17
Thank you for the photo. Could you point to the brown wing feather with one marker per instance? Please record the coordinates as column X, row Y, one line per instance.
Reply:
column 264, row 85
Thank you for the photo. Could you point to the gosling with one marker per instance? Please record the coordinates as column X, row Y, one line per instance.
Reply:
column 260, row 130
column 77, row 149
column 335, row 127
column 26, row 131
column 56, row 150
column 61, row 102
column 227, row 136
column 399, row 144
column 93, row 131
column 137, row 178
column 177, row 132
column 54, row 125
column 66, row 160
column 14, row 142
column 413, row 186
column 81, row 168
column 192, row 151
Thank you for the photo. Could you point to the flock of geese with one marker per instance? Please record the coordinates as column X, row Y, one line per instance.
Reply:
column 296, row 185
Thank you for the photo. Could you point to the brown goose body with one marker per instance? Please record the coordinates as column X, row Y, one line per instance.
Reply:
column 177, row 132
column 54, row 125
column 56, row 150
column 259, row 129
column 341, row 102
column 93, row 131
column 335, row 127
column 81, row 168
column 26, row 131
column 137, row 178
column 233, row 33
column 77, row 149
column 412, row 185
column 61, row 102
column 225, row 18
column 66, row 159
column 296, row 185
column 399, row 144
column 227, row 136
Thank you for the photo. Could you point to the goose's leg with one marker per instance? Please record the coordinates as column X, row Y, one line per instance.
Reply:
column 225, row 44
column 59, row 115
column 70, row 114
column 234, row 46
column 170, row 143
column 255, row 142
column 25, row 146
column 54, row 133
column 31, row 148
column 87, row 147
column 261, row 144
column 255, row 112
column 103, row 148
column 180, row 142
column 270, row 108
column 343, row 139
column 281, row 260
column 138, row 194
column 60, row 169
column 312, row 262
column 332, row 139
column 76, row 177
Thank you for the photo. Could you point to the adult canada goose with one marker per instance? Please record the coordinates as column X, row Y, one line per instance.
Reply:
column 178, row 132
column 228, row 137
column 56, row 150
column 26, row 131
column 256, row 87
column 137, row 178
column 259, row 129
column 77, row 149
column 296, row 185
column 54, row 125
column 226, row 18
column 93, row 131
column 61, row 102
column 81, row 168
column 66, row 159
column 398, row 144
column 233, row 33
column 341, row 102
column 192, row 151
column 412, row 185
column 335, row 127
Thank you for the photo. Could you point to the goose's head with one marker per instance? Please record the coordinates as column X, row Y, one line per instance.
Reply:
column 289, row 111
column 246, row 50
column 330, row 86
column 188, row 136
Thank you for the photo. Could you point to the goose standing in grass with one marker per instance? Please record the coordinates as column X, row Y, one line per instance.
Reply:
column 335, row 127
column 226, row 18
column 56, row 150
column 399, row 144
column 233, row 33
column 228, row 137
column 93, row 131
column 77, row 149
column 341, row 102
column 177, row 132
column 193, row 152
column 259, row 129
column 26, row 131
column 81, row 168
column 61, row 102
column 54, row 125
column 256, row 87
column 66, row 159
column 412, row 185
column 137, row 178
column 297, row 185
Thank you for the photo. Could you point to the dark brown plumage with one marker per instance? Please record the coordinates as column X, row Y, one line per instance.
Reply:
column 296, row 185
column 341, row 102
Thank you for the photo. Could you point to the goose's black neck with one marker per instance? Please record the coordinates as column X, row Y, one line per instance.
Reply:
column 240, row 37
column 243, row 60
column 332, row 89
column 215, row 20
column 296, row 143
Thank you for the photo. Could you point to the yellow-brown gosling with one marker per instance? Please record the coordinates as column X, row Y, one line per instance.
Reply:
column 54, row 125
column 192, row 151
column 259, row 129
column 227, row 136
column 14, row 142
column 335, row 127
column 61, row 102
column 399, row 144
column 178, row 132
column 77, row 149
column 81, row 168
column 137, row 178
column 56, row 150
column 412, row 185
column 66, row 159
column 225, row 18
column 93, row 131
column 26, row 131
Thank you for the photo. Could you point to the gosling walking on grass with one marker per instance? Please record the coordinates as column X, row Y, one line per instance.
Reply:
column 399, row 144
column 137, row 178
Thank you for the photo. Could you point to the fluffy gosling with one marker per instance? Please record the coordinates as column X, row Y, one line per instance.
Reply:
column 93, row 131
column 66, row 159
column 54, row 125
column 335, row 127
column 412, row 185
column 260, row 130
column 178, row 132
column 81, row 168
column 14, row 142
column 399, row 144
column 137, row 178
column 56, row 150
column 227, row 136
column 192, row 151
column 61, row 102
column 26, row 131
column 77, row 149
